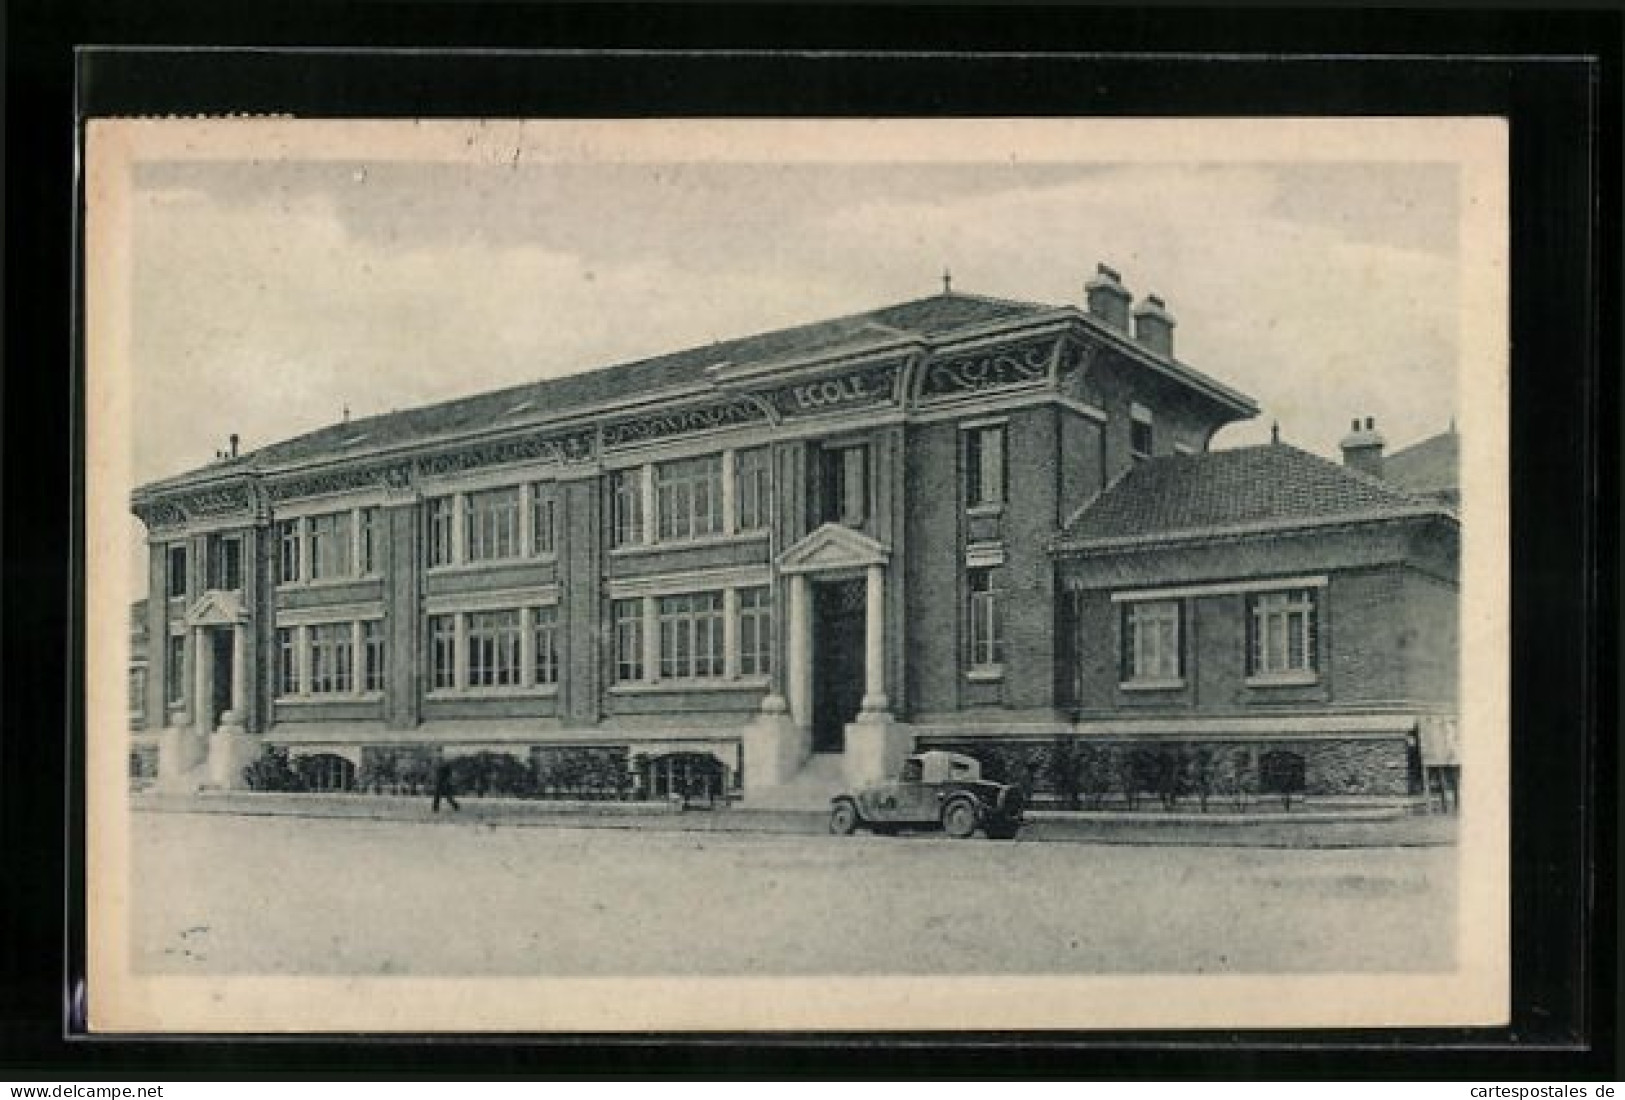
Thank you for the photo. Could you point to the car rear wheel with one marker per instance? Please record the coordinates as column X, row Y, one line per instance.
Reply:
column 843, row 819
column 959, row 819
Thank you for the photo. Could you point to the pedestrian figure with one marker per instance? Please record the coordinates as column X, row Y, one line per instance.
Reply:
column 442, row 785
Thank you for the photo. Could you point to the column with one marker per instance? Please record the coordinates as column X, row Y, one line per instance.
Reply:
column 646, row 490
column 460, row 624
column 527, row 647
column 239, row 672
column 874, row 641
column 730, row 633
column 459, row 513
column 799, row 664
column 201, row 703
column 651, row 638
column 729, row 481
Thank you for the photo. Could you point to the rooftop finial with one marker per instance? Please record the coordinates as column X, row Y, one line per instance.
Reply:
column 1275, row 431
column 346, row 412
column 947, row 281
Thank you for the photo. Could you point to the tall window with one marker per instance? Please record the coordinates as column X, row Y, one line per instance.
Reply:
column 372, row 642
column 628, row 641
column 753, row 488
column 332, row 658
column 691, row 641
column 225, row 563
column 138, row 692
column 845, row 484
column 1283, row 632
column 175, row 670
column 755, row 631
column 626, row 497
column 372, row 534
column 543, row 517
column 688, row 497
column 288, row 543
column 984, row 466
column 493, row 648
column 287, row 661
column 442, row 652
column 330, row 546
column 491, row 525
column 545, row 642
column 439, row 516
column 1151, row 641
column 1141, row 438
column 176, row 576
column 986, row 629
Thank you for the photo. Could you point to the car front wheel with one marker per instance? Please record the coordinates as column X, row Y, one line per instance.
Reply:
column 843, row 819
column 959, row 819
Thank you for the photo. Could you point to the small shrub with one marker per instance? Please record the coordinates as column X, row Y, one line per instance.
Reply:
column 273, row 772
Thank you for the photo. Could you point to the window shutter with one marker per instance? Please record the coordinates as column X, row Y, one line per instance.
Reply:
column 1179, row 640
column 1312, row 656
column 1250, row 616
column 1125, row 645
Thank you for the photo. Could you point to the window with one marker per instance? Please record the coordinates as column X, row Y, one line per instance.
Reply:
column 138, row 692
column 1140, row 438
column 1151, row 641
column 691, row 636
column 288, row 542
column 372, row 642
column 330, row 546
column 442, row 652
column 626, row 492
column 175, row 670
column 225, row 563
column 491, row 525
column 628, row 641
column 287, row 661
column 688, row 497
column 545, row 642
column 543, row 517
column 845, row 473
column 755, row 631
column 753, row 488
column 1283, row 633
column 984, row 466
column 177, row 572
column 493, row 649
column 440, row 516
column 372, row 533
column 986, row 640
column 332, row 658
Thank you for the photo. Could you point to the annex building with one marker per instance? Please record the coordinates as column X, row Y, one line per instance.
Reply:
column 794, row 557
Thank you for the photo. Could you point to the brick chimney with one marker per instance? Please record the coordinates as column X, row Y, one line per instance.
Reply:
column 1108, row 298
column 1154, row 325
column 1362, row 447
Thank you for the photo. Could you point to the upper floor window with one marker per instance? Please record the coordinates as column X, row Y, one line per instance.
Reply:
column 289, row 542
column 225, row 563
column 491, row 525
column 691, row 640
column 329, row 546
column 755, row 631
column 986, row 634
column 372, row 534
column 440, row 517
column 1283, row 633
column 984, row 466
column 753, row 488
column 626, row 507
column 1141, row 438
column 543, row 520
column 1151, row 631
column 844, row 481
column 688, row 498
column 175, row 578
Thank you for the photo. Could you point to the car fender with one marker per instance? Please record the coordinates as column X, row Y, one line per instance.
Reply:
column 850, row 800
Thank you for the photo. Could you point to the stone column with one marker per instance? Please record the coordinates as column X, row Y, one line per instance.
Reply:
column 202, row 703
column 239, row 671
column 874, row 641
column 799, row 663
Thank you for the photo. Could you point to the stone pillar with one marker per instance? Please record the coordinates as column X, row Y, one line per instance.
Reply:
column 202, row 687
column 239, row 671
column 231, row 747
column 874, row 641
column 799, row 663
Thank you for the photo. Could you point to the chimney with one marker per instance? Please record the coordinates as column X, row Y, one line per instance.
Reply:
column 1362, row 447
column 1108, row 298
column 234, row 442
column 1154, row 326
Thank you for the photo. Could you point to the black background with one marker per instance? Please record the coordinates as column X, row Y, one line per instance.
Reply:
column 1556, row 76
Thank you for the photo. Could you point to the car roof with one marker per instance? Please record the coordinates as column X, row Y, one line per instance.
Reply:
column 944, row 755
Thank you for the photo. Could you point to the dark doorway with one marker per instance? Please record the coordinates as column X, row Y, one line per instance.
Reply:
column 837, row 661
column 220, row 688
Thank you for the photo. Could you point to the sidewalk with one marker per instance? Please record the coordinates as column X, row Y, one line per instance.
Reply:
column 1305, row 828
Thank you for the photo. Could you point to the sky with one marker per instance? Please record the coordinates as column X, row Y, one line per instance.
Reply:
column 275, row 284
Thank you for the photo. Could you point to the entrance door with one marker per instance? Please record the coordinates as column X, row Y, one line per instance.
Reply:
column 220, row 682
column 837, row 661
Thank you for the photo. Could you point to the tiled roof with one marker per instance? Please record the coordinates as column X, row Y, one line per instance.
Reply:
column 942, row 313
column 1431, row 466
column 1217, row 492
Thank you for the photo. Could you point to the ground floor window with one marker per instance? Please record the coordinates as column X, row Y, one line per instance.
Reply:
column 175, row 670
column 287, row 661
column 442, row 651
column 691, row 639
column 372, row 640
column 545, row 641
column 332, row 658
column 1151, row 641
column 755, row 631
column 986, row 628
column 1283, row 632
column 628, row 641
column 493, row 649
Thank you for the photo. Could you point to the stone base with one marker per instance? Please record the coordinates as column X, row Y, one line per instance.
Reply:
column 180, row 750
column 875, row 748
column 774, row 750
column 230, row 751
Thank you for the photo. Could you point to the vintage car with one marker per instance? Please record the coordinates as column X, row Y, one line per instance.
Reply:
column 933, row 790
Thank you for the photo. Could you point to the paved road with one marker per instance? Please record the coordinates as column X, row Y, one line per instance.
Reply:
column 277, row 895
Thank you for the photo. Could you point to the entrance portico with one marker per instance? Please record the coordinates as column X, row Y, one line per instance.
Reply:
column 218, row 711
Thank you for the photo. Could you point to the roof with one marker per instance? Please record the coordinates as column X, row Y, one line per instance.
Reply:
column 1274, row 486
column 1431, row 466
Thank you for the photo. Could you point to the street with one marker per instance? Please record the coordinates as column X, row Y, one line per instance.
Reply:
column 226, row 894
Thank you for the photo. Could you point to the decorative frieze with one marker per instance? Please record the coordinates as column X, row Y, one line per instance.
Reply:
column 349, row 480
column 574, row 447
column 656, row 426
column 870, row 386
column 995, row 368
column 1077, row 359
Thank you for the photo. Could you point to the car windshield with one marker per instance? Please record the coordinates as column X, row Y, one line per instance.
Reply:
column 913, row 771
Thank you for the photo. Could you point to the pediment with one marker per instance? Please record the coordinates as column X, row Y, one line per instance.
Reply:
column 217, row 608
column 833, row 547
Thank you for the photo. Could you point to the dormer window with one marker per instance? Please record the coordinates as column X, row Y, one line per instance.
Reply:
column 1141, row 438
